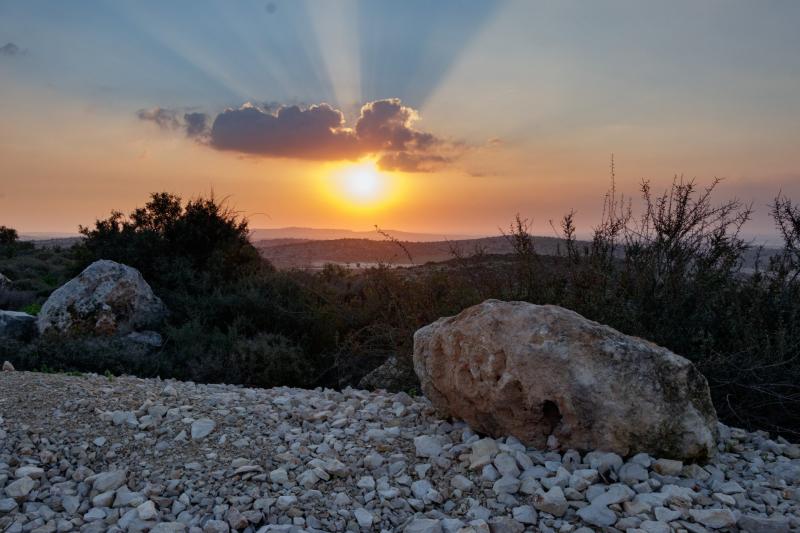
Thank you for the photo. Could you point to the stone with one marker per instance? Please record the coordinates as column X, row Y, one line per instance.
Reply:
column 8, row 367
column 504, row 524
column 654, row 526
column 506, row 485
column 552, row 502
column 20, row 488
column 363, row 517
column 109, row 480
column 506, row 465
column 524, row 514
column 33, row 472
column 482, row 452
column 7, row 505
column 597, row 515
column 147, row 511
column 107, row 298
column 461, row 483
column 667, row 467
column 535, row 372
column 758, row 524
column 714, row 518
column 279, row 475
column 616, row 493
column 216, row 526
column 202, row 428
column 169, row 527
column 17, row 325
column 427, row 446
column 632, row 473
column 71, row 504
column 424, row 525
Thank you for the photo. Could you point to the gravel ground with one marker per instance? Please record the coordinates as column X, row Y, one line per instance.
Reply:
column 87, row 453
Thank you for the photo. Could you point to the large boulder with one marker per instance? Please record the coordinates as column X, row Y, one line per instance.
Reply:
column 107, row 298
column 545, row 374
column 17, row 325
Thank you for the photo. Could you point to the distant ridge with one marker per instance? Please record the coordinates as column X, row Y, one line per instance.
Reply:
column 323, row 234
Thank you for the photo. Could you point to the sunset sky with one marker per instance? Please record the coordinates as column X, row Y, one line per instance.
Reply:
column 445, row 117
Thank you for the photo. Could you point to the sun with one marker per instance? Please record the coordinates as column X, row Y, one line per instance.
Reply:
column 361, row 186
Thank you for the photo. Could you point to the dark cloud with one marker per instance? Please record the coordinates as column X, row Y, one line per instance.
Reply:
column 10, row 49
column 165, row 118
column 384, row 128
column 194, row 124
column 316, row 132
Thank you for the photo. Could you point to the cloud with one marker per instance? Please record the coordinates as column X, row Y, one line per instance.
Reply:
column 194, row 124
column 316, row 132
column 10, row 49
column 383, row 129
column 165, row 118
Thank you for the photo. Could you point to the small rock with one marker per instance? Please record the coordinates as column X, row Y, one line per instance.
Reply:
column 667, row 467
column 202, row 428
column 147, row 511
column 714, row 518
column 424, row 525
column 524, row 514
column 427, row 446
column 597, row 515
column 109, row 480
column 20, row 488
column 552, row 502
column 363, row 517
column 7, row 366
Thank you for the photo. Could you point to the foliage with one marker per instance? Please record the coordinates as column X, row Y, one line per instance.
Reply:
column 8, row 236
column 671, row 272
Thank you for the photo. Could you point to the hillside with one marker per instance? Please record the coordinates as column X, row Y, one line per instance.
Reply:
column 364, row 252
column 258, row 234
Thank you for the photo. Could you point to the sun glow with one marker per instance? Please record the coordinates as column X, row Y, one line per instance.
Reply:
column 361, row 186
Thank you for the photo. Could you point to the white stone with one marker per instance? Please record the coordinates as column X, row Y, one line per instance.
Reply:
column 363, row 517
column 427, row 446
column 524, row 514
column 20, row 488
column 202, row 428
column 423, row 525
column 552, row 502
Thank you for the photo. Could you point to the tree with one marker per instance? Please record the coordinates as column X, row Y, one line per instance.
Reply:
column 8, row 236
column 199, row 246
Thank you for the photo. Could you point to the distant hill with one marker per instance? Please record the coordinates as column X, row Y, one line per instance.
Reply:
column 365, row 252
column 319, row 234
column 361, row 253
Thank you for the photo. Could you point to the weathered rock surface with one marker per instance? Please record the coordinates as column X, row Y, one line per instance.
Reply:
column 107, row 298
column 549, row 376
column 82, row 453
column 17, row 325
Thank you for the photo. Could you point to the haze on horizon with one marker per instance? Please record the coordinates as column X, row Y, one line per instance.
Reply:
column 446, row 117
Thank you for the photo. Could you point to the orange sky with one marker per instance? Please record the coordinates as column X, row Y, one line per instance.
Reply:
column 530, row 118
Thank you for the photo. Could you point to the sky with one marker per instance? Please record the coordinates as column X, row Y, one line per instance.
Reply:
column 444, row 117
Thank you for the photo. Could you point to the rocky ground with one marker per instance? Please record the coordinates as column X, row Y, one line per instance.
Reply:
column 88, row 453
